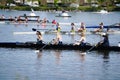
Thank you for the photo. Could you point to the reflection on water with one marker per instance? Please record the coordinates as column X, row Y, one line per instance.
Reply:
column 39, row 54
column 21, row 77
column 106, row 55
column 57, row 54
column 81, row 55
column 58, row 64
column 82, row 58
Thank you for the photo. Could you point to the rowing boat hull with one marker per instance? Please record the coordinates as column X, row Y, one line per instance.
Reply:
column 7, row 21
column 65, row 33
column 62, row 16
column 51, row 46
column 32, row 19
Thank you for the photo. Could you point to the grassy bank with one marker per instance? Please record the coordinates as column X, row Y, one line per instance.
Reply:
column 44, row 8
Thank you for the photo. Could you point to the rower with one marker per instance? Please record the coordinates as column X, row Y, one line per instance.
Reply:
column 57, row 40
column 72, row 27
column 26, row 19
column 19, row 19
column 38, row 19
column 39, row 37
column 15, row 20
column 58, row 28
column 82, row 40
column 105, row 41
column 54, row 22
column 2, row 17
column 82, row 28
column 101, row 27
column 10, row 18
column 44, row 20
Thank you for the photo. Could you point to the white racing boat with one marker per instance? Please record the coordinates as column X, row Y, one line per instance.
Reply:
column 103, row 12
column 63, row 14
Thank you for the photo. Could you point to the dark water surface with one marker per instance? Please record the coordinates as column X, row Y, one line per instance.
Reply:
column 27, row 64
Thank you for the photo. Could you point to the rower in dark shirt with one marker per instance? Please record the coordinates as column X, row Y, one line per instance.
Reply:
column 72, row 27
column 105, row 41
column 39, row 37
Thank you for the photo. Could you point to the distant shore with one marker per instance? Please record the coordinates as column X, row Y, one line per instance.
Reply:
column 42, row 8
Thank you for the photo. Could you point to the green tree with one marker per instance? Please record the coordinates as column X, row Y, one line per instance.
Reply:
column 33, row 0
column 101, row 2
column 118, row 1
column 89, row 2
column 67, row 1
column 56, row 4
column 9, row 2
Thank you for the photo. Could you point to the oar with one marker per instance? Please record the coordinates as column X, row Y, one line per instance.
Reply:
column 33, row 29
column 45, row 45
column 113, row 25
column 91, row 48
column 48, row 30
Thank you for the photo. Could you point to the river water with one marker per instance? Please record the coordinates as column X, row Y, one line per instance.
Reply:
column 27, row 64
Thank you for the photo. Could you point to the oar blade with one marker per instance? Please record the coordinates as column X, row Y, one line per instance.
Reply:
column 33, row 29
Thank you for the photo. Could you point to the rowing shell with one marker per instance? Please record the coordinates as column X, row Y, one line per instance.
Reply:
column 64, row 32
column 51, row 24
column 33, row 45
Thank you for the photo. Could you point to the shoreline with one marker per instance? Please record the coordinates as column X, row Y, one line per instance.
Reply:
column 81, row 8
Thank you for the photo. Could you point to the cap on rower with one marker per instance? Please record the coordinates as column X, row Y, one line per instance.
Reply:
column 103, row 34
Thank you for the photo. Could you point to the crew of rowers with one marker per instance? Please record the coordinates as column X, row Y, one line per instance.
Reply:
column 83, row 28
column 58, row 39
column 24, row 19
column 81, row 41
